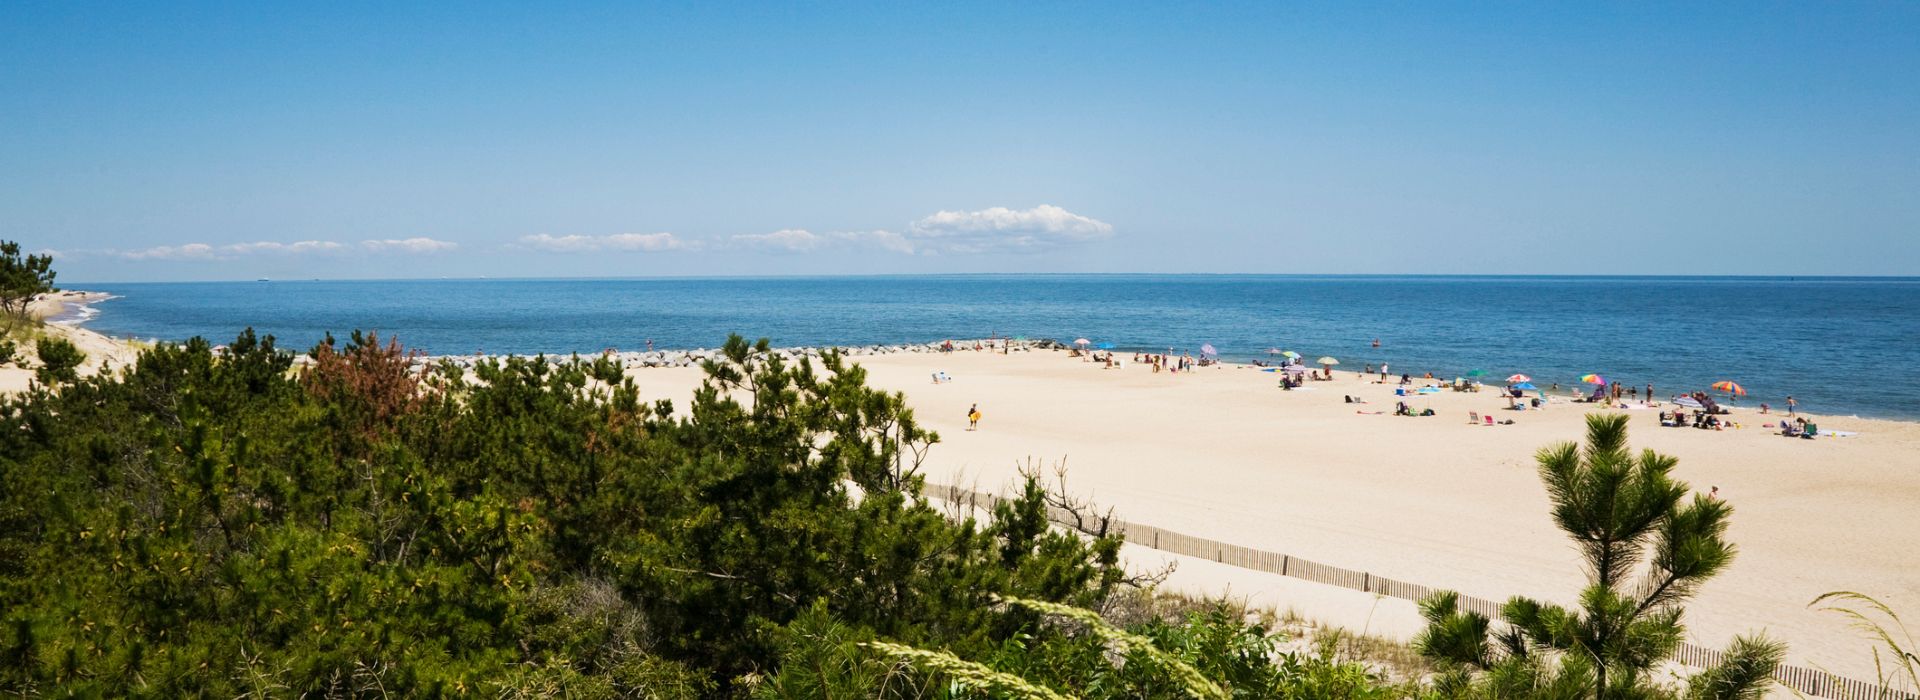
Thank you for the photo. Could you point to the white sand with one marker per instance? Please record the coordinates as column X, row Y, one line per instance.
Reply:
column 1222, row 453
column 101, row 351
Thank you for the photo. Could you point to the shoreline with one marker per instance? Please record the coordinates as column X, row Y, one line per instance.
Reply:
column 56, row 304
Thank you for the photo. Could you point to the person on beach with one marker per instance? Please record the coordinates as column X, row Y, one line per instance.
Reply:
column 1792, row 405
column 973, row 417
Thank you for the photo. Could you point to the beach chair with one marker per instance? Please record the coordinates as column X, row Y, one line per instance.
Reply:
column 1473, row 418
column 1489, row 419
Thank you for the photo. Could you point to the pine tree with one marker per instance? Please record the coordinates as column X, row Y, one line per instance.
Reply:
column 1647, row 550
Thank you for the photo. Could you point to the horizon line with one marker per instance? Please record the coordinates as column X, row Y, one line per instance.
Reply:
column 1296, row 275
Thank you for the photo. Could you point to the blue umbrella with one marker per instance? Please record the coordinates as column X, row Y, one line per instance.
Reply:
column 1526, row 386
column 1105, row 346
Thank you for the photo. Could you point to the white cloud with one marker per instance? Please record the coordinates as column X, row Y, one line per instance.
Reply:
column 295, row 248
column 649, row 242
column 795, row 240
column 190, row 251
column 789, row 239
column 204, row 251
column 1000, row 229
column 885, row 240
column 416, row 245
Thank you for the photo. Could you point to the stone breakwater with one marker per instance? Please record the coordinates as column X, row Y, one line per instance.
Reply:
column 692, row 358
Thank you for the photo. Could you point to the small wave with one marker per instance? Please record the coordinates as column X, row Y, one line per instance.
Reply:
column 77, row 314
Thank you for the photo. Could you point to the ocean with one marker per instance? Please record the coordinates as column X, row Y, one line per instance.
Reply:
column 1846, row 346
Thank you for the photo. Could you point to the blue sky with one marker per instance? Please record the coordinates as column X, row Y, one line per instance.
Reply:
column 244, row 140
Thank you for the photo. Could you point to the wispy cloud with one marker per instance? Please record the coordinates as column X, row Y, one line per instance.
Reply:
column 999, row 229
column 207, row 251
column 418, row 245
column 795, row 240
column 645, row 242
column 790, row 239
column 995, row 230
column 230, row 251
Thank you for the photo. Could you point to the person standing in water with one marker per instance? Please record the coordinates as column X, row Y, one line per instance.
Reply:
column 1792, row 405
column 973, row 417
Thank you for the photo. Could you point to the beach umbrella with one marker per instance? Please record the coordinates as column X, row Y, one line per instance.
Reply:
column 1593, row 379
column 1105, row 346
column 1082, row 341
column 1730, row 387
column 1273, row 351
column 1519, row 378
column 1207, row 349
column 1327, row 361
column 1289, row 353
column 1526, row 386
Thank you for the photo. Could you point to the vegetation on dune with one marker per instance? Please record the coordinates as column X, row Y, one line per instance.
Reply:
column 220, row 523
column 224, row 523
column 1647, row 549
column 59, row 361
column 1896, row 656
column 21, row 279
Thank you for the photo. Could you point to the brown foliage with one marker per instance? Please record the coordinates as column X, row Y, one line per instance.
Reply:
column 373, row 384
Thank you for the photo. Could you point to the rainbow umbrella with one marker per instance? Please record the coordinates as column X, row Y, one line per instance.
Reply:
column 1730, row 387
column 1519, row 378
column 1594, row 379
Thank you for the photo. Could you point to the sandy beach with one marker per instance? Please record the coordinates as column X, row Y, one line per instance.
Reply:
column 1222, row 453
column 101, row 350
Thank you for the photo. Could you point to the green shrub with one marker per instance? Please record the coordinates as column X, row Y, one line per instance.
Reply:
column 58, row 360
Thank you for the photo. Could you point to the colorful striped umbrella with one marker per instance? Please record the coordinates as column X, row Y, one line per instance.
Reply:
column 1519, row 378
column 1730, row 387
column 1593, row 379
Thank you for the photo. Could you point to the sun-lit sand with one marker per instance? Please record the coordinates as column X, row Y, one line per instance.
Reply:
column 101, row 350
column 1223, row 453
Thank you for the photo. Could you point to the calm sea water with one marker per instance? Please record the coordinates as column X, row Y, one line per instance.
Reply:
column 1839, row 345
